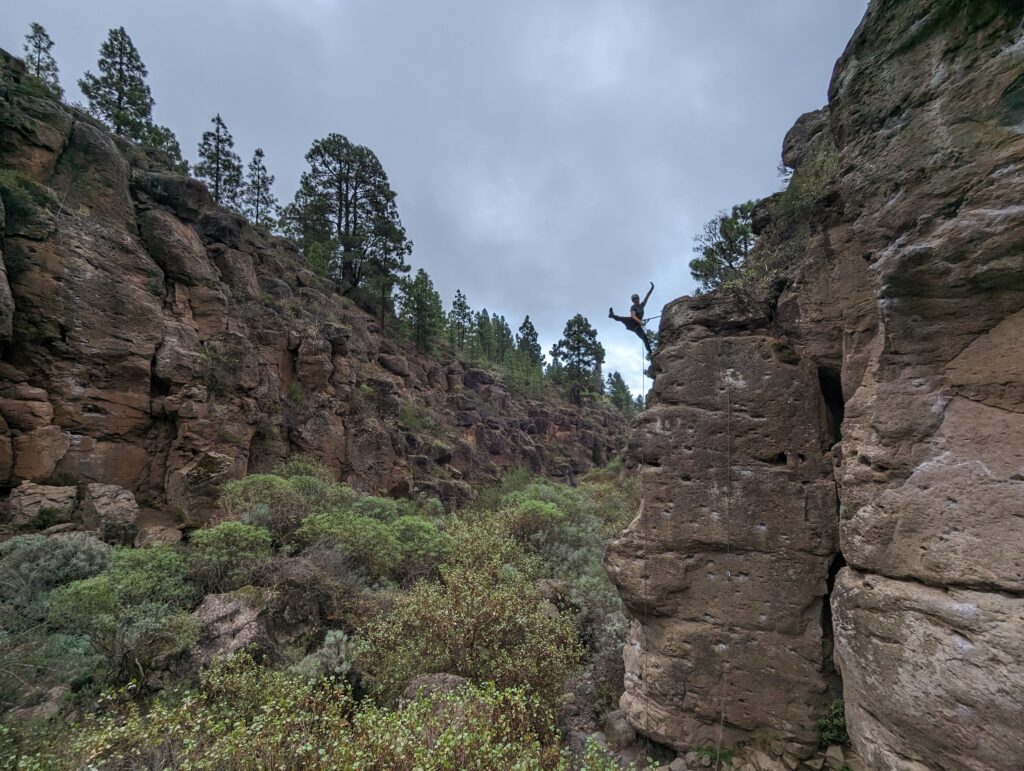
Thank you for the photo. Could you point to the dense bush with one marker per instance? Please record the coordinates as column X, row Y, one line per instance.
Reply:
column 424, row 546
column 224, row 558
column 484, row 621
column 279, row 503
column 243, row 716
column 133, row 614
column 832, row 725
column 32, row 565
column 368, row 543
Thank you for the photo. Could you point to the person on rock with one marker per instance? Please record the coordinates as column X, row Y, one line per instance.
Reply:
column 635, row 320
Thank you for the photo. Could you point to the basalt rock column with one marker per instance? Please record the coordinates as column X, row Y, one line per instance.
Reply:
column 725, row 570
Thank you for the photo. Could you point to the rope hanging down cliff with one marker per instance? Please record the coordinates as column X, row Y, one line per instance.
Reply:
column 641, row 512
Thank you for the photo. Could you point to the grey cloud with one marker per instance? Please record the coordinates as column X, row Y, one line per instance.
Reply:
column 549, row 157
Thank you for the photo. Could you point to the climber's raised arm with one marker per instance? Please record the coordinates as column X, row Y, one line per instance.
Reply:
column 647, row 296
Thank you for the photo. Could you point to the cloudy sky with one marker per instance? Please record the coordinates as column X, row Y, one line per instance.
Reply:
column 550, row 157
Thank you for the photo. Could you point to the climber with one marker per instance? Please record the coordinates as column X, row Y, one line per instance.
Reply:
column 635, row 320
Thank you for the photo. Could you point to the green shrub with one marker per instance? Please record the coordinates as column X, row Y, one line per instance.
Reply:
column 133, row 614
column 279, row 503
column 529, row 520
column 369, row 543
column 23, row 198
column 423, row 546
column 32, row 565
column 223, row 558
column 302, row 465
column 832, row 725
column 245, row 717
column 334, row 658
column 485, row 621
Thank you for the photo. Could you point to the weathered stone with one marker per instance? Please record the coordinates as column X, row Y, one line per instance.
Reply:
column 975, row 655
column 30, row 503
column 37, row 452
column 798, row 138
column 233, row 622
column 618, row 730
column 157, row 535
column 26, row 415
column 111, row 511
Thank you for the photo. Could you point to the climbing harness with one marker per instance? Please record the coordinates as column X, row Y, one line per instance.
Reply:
column 641, row 512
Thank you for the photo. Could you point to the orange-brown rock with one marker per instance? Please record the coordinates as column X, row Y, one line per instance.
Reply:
column 900, row 321
column 155, row 342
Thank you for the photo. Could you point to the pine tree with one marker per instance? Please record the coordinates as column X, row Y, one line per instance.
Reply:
column 460, row 320
column 345, row 204
column 483, row 336
column 723, row 246
column 119, row 95
column 618, row 393
column 577, row 357
column 39, row 61
column 259, row 202
column 219, row 165
column 420, row 310
column 503, row 342
column 162, row 138
column 528, row 342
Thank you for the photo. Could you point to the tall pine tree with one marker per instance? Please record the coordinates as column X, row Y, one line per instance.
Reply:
column 528, row 342
column 260, row 204
column 345, row 208
column 219, row 165
column 503, row 342
column 420, row 310
column 119, row 95
column 460, row 321
column 619, row 393
column 39, row 61
column 577, row 357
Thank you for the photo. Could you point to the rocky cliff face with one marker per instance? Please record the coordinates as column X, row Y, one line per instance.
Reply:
column 876, row 422
column 153, row 341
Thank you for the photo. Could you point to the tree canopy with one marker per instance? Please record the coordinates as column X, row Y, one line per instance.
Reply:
column 39, row 61
column 258, row 200
column 723, row 246
column 219, row 165
column 577, row 357
column 345, row 210
column 119, row 95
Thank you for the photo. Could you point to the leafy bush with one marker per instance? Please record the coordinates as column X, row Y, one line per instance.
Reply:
column 32, row 565
column 318, row 588
column 132, row 614
column 23, row 198
column 368, row 543
column 423, row 546
column 530, row 520
column 223, row 558
column 301, row 465
column 485, row 621
column 832, row 725
column 243, row 717
column 334, row 658
column 280, row 503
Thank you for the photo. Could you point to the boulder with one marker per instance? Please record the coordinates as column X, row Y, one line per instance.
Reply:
column 232, row 622
column 157, row 535
column 617, row 730
column 111, row 511
column 32, row 504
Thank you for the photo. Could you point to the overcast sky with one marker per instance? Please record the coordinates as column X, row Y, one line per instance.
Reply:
column 550, row 157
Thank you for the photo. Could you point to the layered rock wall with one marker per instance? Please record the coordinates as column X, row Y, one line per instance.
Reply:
column 903, row 319
column 151, row 340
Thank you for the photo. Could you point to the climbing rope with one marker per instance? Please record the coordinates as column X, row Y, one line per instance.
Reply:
column 728, row 538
